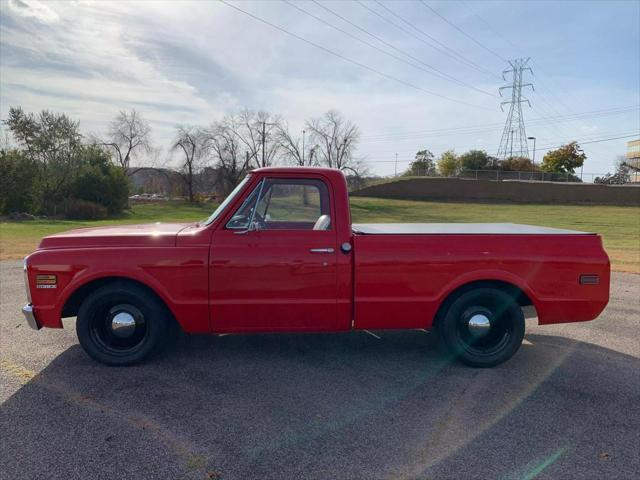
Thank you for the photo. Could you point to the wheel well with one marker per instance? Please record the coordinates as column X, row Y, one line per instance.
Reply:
column 516, row 292
column 72, row 305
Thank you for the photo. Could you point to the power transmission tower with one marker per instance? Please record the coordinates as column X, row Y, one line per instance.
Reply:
column 514, row 138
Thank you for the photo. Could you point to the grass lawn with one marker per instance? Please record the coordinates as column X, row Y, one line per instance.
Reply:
column 619, row 226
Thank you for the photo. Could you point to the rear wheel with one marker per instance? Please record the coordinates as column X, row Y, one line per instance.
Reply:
column 483, row 327
column 122, row 324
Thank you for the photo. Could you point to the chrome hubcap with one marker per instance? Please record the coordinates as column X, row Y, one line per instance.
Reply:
column 479, row 325
column 123, row 324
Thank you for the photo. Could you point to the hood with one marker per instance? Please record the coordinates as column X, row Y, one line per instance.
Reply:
column 152, row 235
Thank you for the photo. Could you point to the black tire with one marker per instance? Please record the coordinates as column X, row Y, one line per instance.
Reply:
column 474, row 342
column 145, row 324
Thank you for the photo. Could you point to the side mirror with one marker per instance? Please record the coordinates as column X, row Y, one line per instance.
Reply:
column 253, row 227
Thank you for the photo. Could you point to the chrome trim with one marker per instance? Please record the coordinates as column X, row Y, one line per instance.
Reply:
column 25, row 269
column 250, row 226
column 27, row 311
column 321, row 250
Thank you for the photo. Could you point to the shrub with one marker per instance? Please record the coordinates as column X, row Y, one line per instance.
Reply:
column 100, row 182
column 20, row 189
column 78, row 209
column 475, row 160
column 199, row 198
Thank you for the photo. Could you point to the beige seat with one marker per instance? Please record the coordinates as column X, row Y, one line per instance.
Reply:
column 323, row 223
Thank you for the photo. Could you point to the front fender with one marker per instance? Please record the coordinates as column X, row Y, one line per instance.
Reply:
column 177, row 275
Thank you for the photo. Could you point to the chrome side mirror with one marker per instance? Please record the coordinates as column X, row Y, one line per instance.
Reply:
column 253, row 227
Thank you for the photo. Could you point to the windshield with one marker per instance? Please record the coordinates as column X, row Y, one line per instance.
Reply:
column 227, row 200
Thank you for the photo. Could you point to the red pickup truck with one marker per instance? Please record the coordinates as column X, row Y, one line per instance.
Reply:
column 280, row 255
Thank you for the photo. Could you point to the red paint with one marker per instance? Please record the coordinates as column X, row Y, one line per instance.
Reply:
column 216, row 280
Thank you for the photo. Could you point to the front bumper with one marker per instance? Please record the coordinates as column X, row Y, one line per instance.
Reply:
column 27, row 311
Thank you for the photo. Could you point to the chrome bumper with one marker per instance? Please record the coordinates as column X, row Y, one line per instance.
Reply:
column 27, row 311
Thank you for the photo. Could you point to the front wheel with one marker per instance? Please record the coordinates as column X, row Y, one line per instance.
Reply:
column 483, row 327
column 122, row 324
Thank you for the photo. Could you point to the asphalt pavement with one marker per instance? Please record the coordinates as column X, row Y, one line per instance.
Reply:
column 343, row 406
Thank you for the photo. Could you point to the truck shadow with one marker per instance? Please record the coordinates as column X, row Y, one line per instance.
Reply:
column 326, row 406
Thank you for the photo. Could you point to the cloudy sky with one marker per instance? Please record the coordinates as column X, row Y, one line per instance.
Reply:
column 412, row 75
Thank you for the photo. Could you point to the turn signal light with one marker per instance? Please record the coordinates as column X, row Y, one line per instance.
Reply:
column 589, row 279
column 46, row 281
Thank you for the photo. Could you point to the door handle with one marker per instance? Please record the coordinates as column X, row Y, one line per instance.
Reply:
column 321, row 250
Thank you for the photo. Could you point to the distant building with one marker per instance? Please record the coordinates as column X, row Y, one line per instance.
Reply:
column 633, row 158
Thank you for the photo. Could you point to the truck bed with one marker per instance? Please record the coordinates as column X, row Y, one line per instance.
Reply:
column 458, row 229
column 403, row 272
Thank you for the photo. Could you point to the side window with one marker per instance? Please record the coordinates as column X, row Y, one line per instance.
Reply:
column 242, row 217
column 284, row 204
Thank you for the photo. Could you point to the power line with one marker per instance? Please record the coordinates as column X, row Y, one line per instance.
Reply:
column 433, row 70
column 479, row 128
column 551, row 106
column 493, row 52
column 445, row 50
column 495, row 32
column 542, row 147
column 404, row 52
column 498, row 34
column 347, row 59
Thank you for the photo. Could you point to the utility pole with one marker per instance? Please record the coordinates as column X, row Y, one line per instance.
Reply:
column 515, row 118
column 303, row 132
column 264, row 139
column 396, row 174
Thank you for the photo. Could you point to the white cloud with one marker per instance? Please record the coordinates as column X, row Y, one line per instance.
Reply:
column 35, row 9
column 190, row 62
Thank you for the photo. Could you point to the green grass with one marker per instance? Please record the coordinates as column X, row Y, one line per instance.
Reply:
column 17, row 239
column 619, row 226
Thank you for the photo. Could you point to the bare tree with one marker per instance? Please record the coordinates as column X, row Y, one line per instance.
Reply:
column 337, row 140
column 129, row 135
column 295, row 148
column 230, row 155
column 258, row 132
column 191, row 142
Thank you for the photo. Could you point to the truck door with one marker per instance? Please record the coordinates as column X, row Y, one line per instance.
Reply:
column 273, row 265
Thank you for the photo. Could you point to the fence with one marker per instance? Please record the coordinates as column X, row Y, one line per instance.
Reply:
column 522, row 176
column 483, row 190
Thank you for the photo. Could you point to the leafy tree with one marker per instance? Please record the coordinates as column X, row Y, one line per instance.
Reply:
column 422, row 165
column 52, row 142
column 19, row 174
column 448, row 163
column 99, row 181
column 475, row 160
column 564, row 159
column 516, row 164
